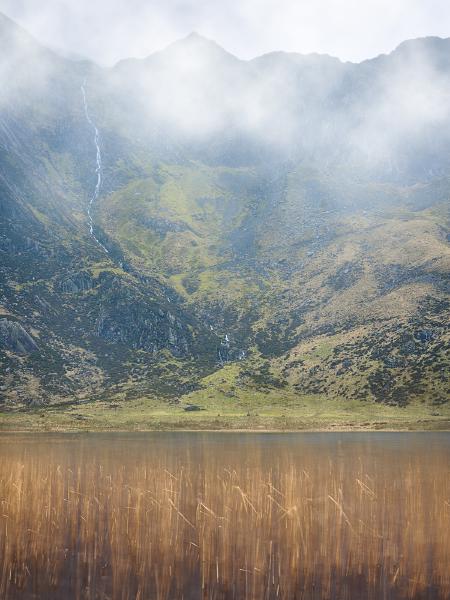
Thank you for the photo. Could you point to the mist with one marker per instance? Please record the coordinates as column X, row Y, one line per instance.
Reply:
column 379, row 114
column 376, row 114
column 108, row 31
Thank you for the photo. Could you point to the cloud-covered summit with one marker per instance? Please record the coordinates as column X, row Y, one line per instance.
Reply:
column 109, row 30
column 389, row 114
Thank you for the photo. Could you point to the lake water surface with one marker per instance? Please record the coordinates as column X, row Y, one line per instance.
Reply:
column 187, row 516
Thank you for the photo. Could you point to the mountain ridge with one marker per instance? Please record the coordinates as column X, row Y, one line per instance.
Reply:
column 194, row 35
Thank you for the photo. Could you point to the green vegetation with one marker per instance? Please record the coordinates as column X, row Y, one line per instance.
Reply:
column 284, row 412
column 234, row 398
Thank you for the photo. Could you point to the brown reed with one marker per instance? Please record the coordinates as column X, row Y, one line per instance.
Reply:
column 119, row 520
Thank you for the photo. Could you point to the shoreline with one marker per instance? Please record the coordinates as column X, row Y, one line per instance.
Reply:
column 236, row 431
column 151, row 416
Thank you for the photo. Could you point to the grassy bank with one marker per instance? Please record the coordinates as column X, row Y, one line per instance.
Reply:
column 281, row 410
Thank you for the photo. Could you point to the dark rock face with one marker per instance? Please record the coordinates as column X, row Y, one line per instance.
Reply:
column 78, row 282
column 163, row 226
column 142, row 329
column 15, row 338
column 127, row 317
column 424, row 335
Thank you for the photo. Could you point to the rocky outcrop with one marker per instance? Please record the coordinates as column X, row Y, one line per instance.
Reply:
column 15, row 338
column 78, row 282
column 142, row 328
column 127, row 317
column 163, row 226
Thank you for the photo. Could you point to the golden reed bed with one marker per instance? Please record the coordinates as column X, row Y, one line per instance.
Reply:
column 190, row 517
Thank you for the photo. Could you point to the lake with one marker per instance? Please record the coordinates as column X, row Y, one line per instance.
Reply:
column 187, row 516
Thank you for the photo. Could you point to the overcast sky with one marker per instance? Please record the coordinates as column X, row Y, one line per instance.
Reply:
column 108, row 30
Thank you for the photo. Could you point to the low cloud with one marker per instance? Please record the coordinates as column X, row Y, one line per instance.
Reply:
column 378, row 112
column 109, row 30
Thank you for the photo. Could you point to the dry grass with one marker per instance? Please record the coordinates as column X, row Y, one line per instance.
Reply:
column 183, row 517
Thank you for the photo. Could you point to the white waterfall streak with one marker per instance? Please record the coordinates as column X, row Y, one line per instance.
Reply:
column 98, row 170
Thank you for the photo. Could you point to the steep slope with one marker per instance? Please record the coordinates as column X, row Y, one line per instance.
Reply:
column 289, row 215
column 91, row 318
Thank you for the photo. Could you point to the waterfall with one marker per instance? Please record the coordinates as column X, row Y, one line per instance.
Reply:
column 98, row 170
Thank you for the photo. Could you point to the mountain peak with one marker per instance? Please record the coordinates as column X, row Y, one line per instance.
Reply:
column 195, row 43
column 194, row 35
column 196, row 38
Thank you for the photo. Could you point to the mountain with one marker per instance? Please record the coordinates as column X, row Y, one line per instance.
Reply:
column 275, row 228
